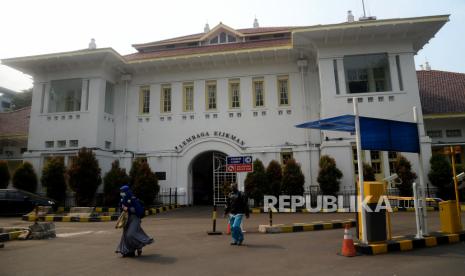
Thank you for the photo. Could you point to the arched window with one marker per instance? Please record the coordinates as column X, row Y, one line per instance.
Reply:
column 223, row 37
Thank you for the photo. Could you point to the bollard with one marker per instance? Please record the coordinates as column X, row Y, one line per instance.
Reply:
column 214, row 232
column 270, row 214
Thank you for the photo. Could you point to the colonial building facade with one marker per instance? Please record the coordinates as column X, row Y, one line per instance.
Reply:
column 185, row 103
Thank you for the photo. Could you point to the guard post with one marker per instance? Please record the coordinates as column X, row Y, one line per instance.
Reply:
column 214, row 232
column 376, row 228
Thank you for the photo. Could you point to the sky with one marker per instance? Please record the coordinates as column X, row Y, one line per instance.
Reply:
column 31, row 27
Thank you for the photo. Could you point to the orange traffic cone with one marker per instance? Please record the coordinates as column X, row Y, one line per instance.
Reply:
column 228, row 230
column 348, row 248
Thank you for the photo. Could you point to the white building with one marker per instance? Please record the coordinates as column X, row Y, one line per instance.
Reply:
column 185, row 103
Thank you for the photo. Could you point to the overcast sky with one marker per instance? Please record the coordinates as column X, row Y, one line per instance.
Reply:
column 47, row 26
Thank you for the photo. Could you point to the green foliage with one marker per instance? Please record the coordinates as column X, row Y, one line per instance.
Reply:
column 84, row 177
column 144, row 182
column 53, row 178
column 25, row 178
column 112, row 181
column 403, row 168
column 22, row 99
column 329, row 175
column 368, row 172
column 255, row 182
column 440, row 176
column 293, row 179
column 4, row 175
column 274, row 176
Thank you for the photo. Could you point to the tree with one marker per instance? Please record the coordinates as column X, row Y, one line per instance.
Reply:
column 112, row 182
column 293, row 179
column 4, row 175
column 84, row 177
column 368, row 172
column 329, row 175
column 134, row 171
column 255, row 182
column 403, row 168
column 274, row 176
column 53, row 178
column 25, row 178
column 23, row 99
column 440, row 176
column 144, row 182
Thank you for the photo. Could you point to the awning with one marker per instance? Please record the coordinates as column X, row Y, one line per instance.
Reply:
column 375, row 134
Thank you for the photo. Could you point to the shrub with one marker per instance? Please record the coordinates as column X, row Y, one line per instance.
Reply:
column 368, row 172
column 274, row 176
column 112, row 181
column 255, row 182
column 144, row 182
column 84, row 177
column 4, row 175
column 440, row 176
column 25, row 178
column 403, row 168
column 329, row 175
column 53, row 178
column 293, row 179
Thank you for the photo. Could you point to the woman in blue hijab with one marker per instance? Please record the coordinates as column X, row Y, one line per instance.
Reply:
column 133, row 238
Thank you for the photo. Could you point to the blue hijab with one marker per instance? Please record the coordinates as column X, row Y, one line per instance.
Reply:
column 126, row 199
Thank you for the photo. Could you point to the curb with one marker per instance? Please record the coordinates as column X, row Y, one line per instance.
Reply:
column 303, row 227
column 114, row 217
column 408, row 243
column 10, row 236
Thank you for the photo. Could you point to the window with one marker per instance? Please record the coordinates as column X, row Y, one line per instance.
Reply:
column 392, row 157
column 367, row 73
column 234, row 94
column 434, row 133
column 107, row 144
column 73, row 143
column 286, row 155
column 65, row 95
column 61, row 143
column 283, row 90
column 144, row 100
column 165, row 98
column 188, row 97
column 87, row 87
column 258, row 93
column 376, row 161
column 42, row 97
column 223, row 38
column 336, row 77
column 109, row 96
column 49, row 144
column 211, row 95
column 454, row 133
column 399, row 73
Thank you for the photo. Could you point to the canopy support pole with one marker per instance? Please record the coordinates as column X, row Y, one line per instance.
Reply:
column 360, row 171
column 422, row 181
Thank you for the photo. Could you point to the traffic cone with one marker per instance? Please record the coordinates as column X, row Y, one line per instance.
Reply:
column 348, row 248
column 228, row 230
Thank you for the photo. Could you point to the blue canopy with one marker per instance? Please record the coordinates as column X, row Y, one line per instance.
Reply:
column 375, row 134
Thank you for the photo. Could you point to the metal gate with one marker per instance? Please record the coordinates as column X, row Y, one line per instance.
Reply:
column 220, row 178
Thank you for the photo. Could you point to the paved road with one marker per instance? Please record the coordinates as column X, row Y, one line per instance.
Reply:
column 183, row 248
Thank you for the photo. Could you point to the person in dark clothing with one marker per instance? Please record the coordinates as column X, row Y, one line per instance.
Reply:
column 134, row 237
column 236, row 206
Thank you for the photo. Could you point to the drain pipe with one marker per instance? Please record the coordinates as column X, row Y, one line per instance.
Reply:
column 303, row 64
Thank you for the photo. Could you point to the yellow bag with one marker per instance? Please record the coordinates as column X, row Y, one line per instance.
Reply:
column 122, row 220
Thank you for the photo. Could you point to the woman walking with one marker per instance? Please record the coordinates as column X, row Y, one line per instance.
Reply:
column 134, row 237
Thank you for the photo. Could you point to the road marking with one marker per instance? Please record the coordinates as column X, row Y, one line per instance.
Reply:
column 67, row 235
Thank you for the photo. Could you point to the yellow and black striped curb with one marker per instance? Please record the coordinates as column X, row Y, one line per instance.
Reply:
column 10, row 236
column 98, row 218
column 96, row 209
column 408, row 243
column 302, row 227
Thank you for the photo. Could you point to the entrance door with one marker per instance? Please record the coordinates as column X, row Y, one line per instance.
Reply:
column 220, row 178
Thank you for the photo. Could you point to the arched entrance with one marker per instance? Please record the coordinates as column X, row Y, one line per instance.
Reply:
column 208, row 173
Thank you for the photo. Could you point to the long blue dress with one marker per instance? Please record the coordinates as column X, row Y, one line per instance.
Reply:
column 134, row 237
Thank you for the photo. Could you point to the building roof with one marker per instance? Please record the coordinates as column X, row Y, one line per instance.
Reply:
column 15, row 123
column 441, row 92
